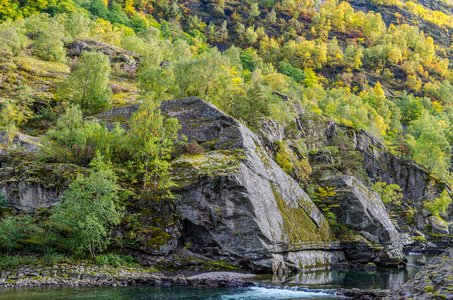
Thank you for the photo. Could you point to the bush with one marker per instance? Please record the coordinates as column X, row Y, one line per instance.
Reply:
column 88, row 84
column 3, row 203
column 15, row 261
column 49, row 45
column 439, row 205
column 16, row 233
column 191, row 148
column 53, row 258
column 116, row 260
column 90, row 210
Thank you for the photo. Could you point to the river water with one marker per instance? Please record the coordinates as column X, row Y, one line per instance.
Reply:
column 313, row 285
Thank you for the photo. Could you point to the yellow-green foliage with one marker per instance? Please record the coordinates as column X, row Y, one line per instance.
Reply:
column 439, row 205
column 389, row 193
column 283, row 160
column 13, row 116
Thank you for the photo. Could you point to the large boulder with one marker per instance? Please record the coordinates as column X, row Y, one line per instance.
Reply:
column 362, row 211
column 235, row 201
column 115, row 54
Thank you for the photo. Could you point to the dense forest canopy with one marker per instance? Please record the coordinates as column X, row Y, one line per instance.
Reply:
column 392, row 79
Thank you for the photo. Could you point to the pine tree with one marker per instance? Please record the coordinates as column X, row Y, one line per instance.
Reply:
column 401, row 146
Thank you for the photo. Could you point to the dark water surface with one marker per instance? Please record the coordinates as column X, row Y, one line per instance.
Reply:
column 313, row 285
column 378, row 279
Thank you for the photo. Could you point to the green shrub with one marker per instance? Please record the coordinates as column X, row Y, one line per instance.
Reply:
column 3, row 203
column 16, row 233
column 15, row 261
column 49, row 45
column 439, row 205
column 116, row 260
column 53, row 258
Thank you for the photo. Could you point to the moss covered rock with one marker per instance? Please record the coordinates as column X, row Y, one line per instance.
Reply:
column 235, row 201
column 434, row 281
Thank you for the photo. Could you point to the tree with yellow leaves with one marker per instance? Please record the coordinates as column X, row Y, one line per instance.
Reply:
column 129, row 7
column 13, row 116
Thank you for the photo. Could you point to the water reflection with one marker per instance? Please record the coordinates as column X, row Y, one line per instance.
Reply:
column 380, row 278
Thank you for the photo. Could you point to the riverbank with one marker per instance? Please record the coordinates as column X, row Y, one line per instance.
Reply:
column 434, row 281
column 358, row 284
column 72, row 275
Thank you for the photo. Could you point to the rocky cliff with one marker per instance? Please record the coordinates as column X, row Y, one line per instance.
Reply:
column 416, row 183
column 25, row 183
column 236, row 202
column 371, row 236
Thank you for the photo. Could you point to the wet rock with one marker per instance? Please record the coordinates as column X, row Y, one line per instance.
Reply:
column 420, row 262
column 363, row 294
column 434, row 281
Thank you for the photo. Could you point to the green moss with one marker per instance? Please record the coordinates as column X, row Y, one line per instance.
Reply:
column 219, row 265
column 188, row 262
column 188, row 167
column 40, row 67
column 297, row 224
column 158, row 237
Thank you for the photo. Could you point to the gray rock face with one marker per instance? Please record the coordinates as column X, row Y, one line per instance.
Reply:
column 26, row 185
column 416, row 183
column 362, row 210
column 20, row 141
column 28, row 195
column 126, row 59
column 235, row 200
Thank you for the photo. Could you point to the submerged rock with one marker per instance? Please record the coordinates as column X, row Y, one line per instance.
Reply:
column 375, row 294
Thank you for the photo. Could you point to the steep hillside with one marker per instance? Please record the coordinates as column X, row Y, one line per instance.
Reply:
column 326, row 134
